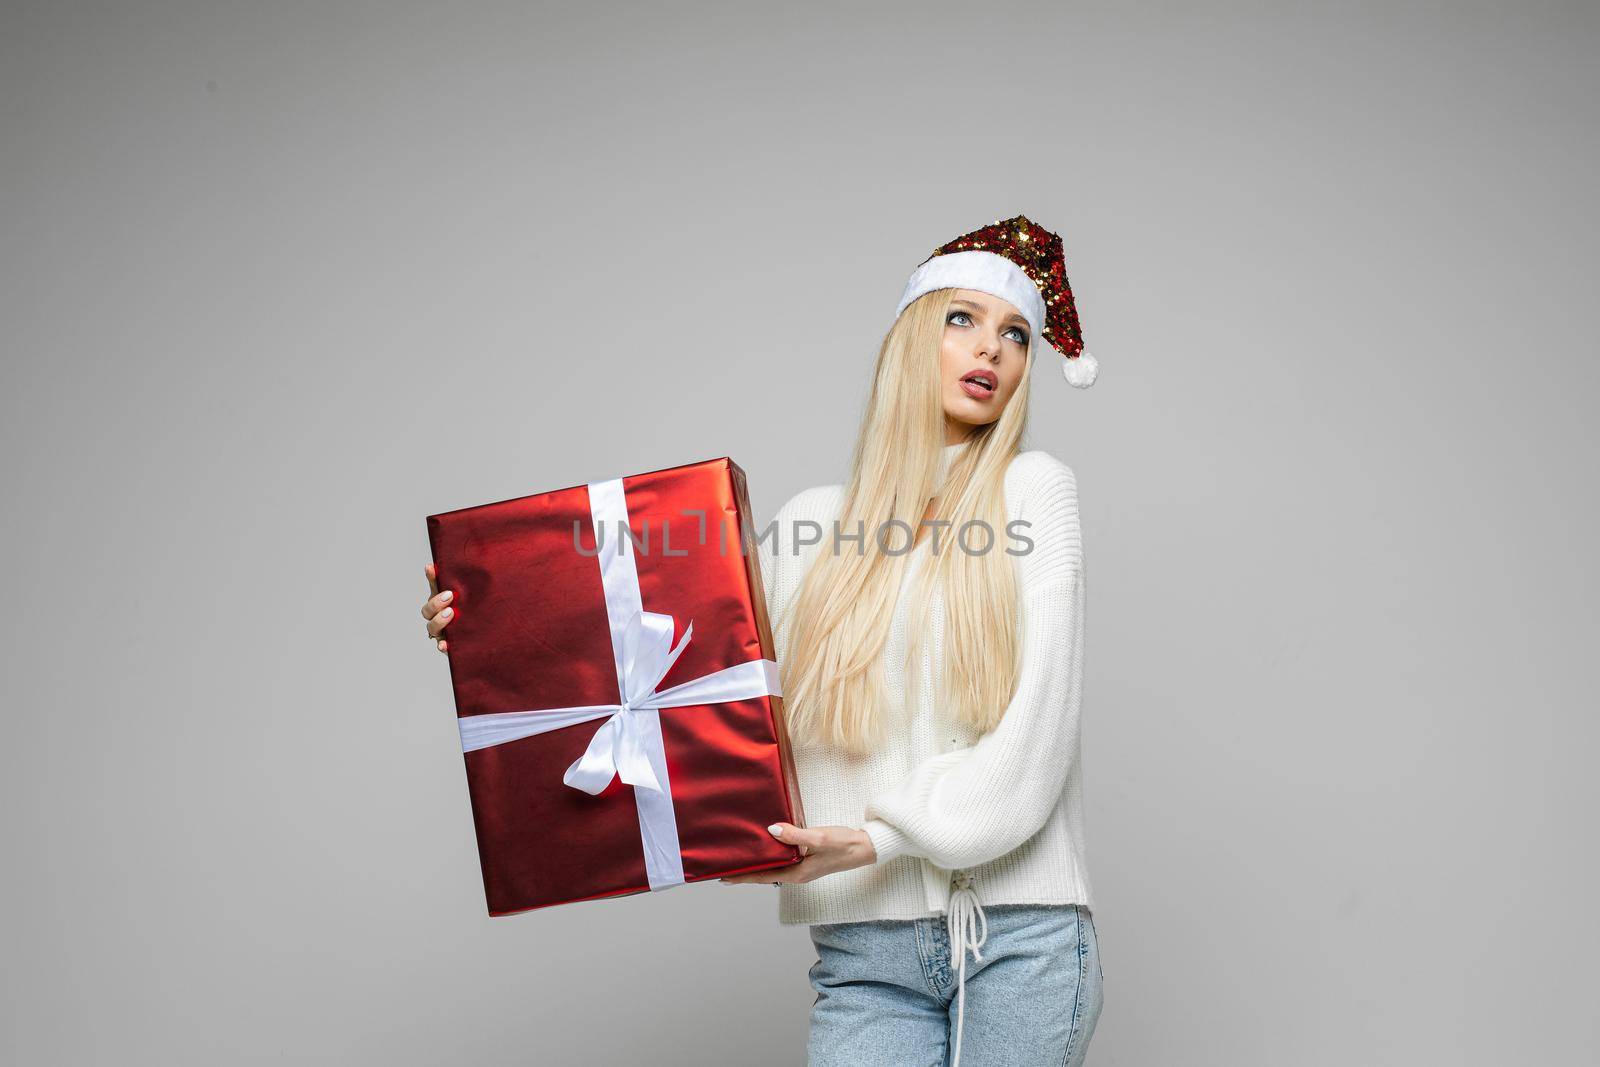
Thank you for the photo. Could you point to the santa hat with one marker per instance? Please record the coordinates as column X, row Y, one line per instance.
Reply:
column 1022, row 262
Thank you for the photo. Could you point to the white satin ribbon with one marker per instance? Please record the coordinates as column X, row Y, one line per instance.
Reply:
column 628, row 744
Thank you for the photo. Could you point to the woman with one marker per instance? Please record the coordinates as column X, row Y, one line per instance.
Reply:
column 933, row 694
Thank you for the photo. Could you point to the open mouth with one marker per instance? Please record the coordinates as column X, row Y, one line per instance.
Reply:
column 979, row 384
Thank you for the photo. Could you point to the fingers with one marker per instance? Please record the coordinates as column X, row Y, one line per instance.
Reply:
column 791, row 875
column 791, row 834
column 808, row 841
column 436, row 604
column 436, row 609
column 440, row 619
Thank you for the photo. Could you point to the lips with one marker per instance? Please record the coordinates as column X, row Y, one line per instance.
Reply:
column 982, row 378
column 979, row 387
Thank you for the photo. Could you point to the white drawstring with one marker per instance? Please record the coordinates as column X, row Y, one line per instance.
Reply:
column 968, row 928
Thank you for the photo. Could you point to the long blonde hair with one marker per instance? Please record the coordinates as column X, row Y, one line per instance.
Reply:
column 832, row 672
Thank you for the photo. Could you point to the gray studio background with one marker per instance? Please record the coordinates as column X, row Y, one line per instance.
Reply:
column 282, row 279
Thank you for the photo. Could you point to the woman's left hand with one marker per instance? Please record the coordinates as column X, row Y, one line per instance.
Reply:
column 827, row 850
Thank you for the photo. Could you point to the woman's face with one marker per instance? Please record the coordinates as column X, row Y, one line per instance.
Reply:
column 985, row 344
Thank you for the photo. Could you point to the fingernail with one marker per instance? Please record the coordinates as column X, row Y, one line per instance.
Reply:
column 445, row 596
column 774, row 829
column 446, row 613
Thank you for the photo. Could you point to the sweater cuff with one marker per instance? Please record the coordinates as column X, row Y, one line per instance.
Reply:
column 888, row 841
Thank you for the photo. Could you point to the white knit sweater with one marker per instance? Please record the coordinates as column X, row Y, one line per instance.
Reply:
column 1002, row 812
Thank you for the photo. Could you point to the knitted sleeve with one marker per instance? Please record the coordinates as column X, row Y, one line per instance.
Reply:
column 972, row 805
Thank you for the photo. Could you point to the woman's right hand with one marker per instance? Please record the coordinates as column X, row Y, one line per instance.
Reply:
column 436, row 608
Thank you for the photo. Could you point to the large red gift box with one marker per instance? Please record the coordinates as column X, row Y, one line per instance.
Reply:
column 615, row 687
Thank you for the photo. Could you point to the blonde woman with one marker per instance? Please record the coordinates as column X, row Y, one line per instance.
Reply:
column 928, row 618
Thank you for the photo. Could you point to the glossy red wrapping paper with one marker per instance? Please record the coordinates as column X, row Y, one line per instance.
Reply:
column 531, row 631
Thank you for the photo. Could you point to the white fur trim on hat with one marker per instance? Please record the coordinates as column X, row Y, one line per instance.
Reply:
column 987, row 272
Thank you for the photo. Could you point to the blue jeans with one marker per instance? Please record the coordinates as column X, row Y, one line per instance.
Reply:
column 886, row 991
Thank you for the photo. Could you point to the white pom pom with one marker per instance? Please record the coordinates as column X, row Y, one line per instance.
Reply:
column 1081, row 372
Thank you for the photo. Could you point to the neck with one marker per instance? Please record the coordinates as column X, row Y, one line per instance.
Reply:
column 946, row 455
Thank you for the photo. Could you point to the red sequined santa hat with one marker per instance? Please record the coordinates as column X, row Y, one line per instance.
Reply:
column 1019, row 261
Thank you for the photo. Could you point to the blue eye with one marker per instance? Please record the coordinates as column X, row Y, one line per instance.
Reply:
column 1021, row 338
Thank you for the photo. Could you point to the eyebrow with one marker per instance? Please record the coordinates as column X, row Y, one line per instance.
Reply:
column 1013, row 317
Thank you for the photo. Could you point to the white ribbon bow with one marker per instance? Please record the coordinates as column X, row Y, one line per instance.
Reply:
column 629, row 742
